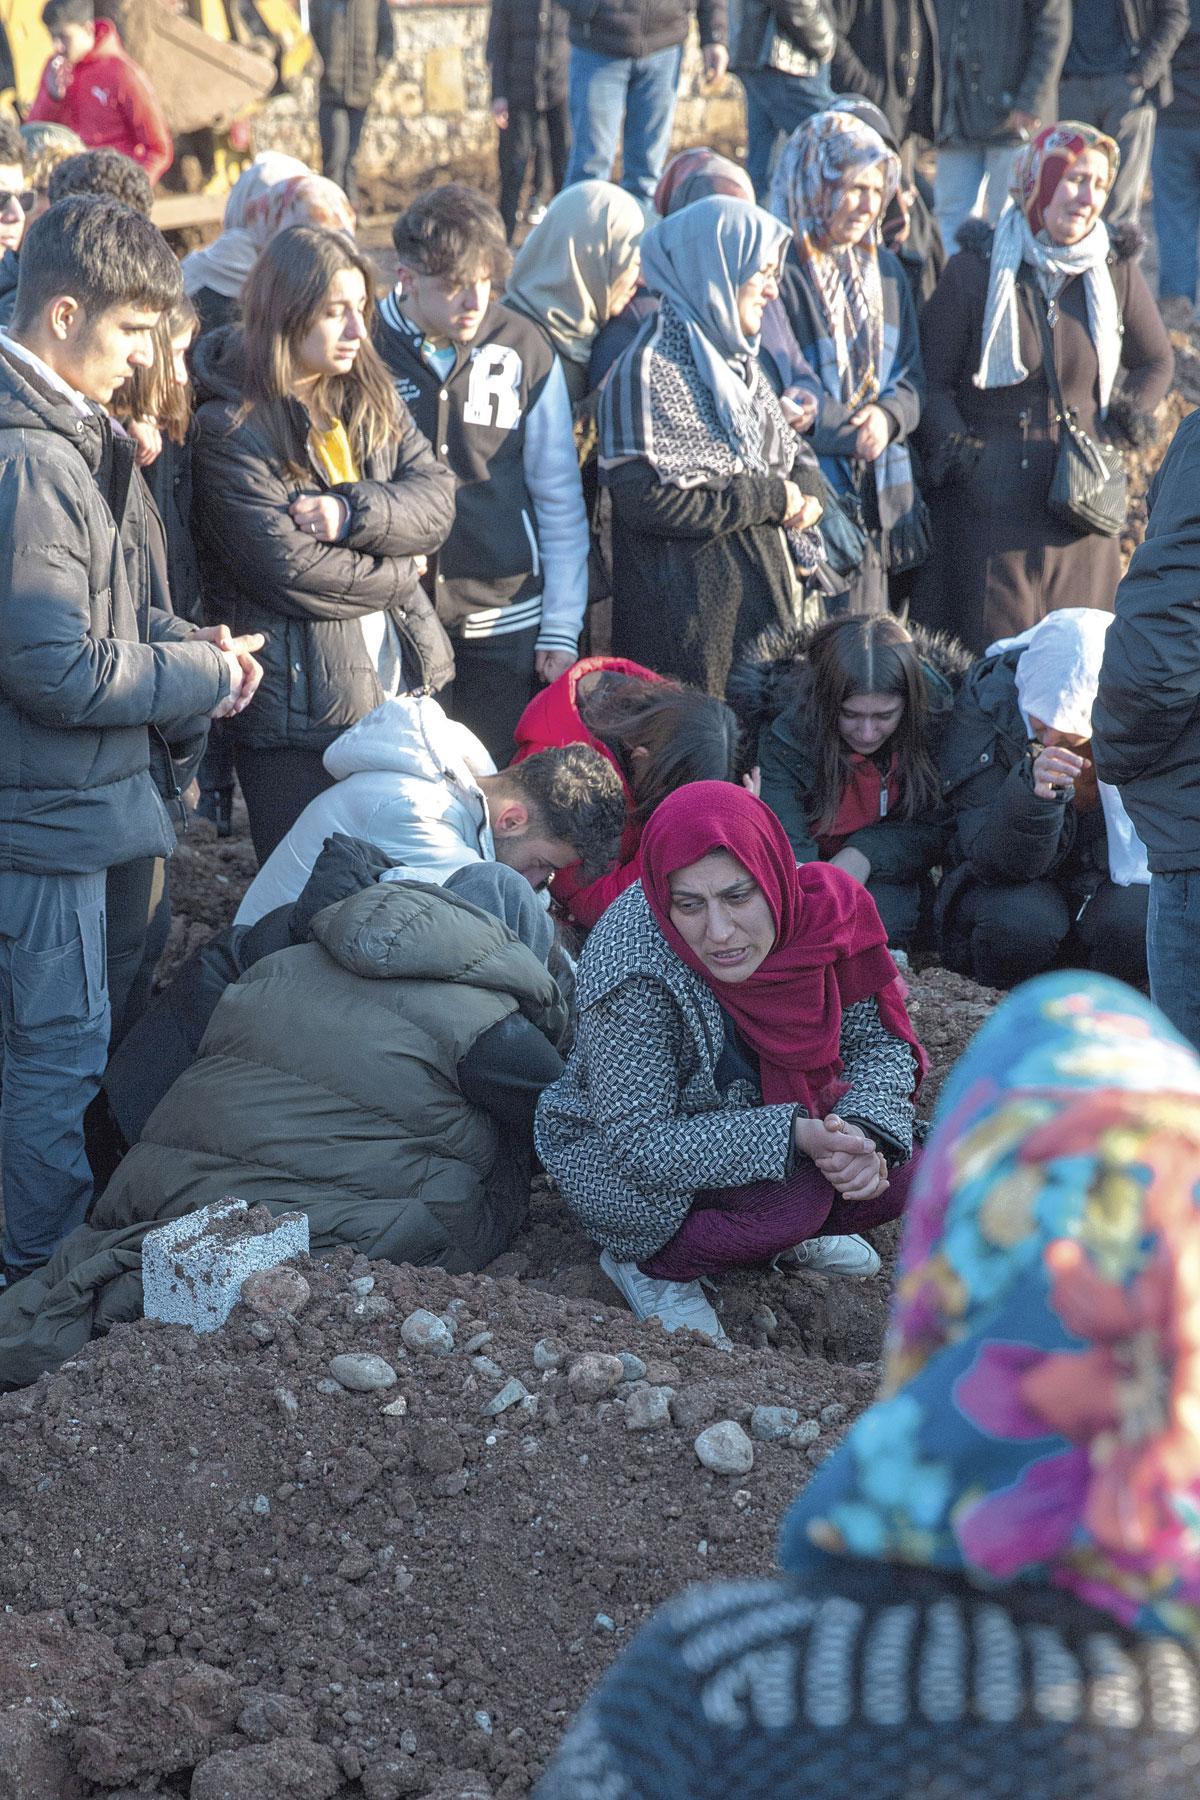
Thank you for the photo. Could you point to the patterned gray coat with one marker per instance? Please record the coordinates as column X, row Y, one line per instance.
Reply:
column 637, row 1124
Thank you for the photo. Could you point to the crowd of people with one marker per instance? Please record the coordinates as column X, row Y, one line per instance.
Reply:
column 630, row 650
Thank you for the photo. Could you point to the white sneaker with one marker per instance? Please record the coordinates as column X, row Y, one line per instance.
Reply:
column 677, row 1305
column 850, row 1255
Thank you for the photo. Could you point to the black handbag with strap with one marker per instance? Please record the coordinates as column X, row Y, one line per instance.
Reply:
column 1088, row 490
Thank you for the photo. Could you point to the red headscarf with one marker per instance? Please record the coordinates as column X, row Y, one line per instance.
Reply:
column 1043, row 163
column 830, row 948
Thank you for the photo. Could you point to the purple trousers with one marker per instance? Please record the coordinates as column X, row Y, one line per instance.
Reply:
column 728, row 1228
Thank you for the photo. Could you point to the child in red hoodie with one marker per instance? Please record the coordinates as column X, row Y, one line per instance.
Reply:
column 93, row 87
column 657, row 734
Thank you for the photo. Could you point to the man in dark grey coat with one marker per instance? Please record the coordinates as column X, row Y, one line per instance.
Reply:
column 86, row 664
column 1116, row 76
column 355, row 41
column 1146, row 723
column 1000, row 64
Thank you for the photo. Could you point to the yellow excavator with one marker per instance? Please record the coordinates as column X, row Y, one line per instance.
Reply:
column 212, row 62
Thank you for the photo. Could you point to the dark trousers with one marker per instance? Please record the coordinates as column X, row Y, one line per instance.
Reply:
column 277, row 785
column 776, row 103
column 517, row 146
column 493, row 684
column 1176, row 166
column 1009, row 933
column 899, row 904
column 137, row 903
column 733, row 1228
column 55, row 1018
column 216, row 766
column 1172, row 938
column 340, row 128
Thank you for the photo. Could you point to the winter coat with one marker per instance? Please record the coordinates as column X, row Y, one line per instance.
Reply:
column 263, row 574
column 9, row 270
column 638, row 1124
column 998, row 56
column 405, row 779
column 327, row 1082
column 698, row 572
column 1003, row 832
column 802, row 29
column 1155, row 29
column 527, row 53
column 887, row 50
column 327, row 1073
column 553, row 719
column 769, row 692
column 86, row 662
column 110, row 104
column 169, row 479
column 1146, row 719
column 1001, row 561
column 501, row 420
column 355, row 41
column 640, row 28
column 1183, row 110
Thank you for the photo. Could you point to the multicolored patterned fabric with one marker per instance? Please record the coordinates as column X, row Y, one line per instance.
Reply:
column 1040, row 1412
column 1045, row 160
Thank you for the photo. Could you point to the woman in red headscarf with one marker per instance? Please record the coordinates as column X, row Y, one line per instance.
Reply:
column 741, row 1085
column 1001, row 560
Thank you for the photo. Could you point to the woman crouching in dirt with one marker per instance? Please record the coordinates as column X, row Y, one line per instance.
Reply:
column 846, row 721
column 727, row 1003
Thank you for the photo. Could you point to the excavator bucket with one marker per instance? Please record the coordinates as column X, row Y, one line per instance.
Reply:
column 200, row 81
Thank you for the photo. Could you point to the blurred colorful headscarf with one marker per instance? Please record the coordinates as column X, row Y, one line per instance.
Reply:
column 1040, row 1411
column 697, row 174
column 275, row 192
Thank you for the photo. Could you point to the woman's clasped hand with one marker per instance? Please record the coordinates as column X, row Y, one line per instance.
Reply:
column 846, row 1156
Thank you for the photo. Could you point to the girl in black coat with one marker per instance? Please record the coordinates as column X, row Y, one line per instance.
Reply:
column 316, row 501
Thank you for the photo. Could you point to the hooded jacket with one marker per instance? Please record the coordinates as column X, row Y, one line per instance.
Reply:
column 110, row 104
column 406, row 780
column 328, row 1078
column 768, row 692
column 80, row 677
column 309, row 597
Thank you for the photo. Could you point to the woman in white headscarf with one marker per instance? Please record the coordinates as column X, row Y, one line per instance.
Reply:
column 1045, row 867
column 989, row 438
column 703, row 470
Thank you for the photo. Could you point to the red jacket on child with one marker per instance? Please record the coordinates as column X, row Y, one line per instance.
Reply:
column 551, row 720
column 110, row 104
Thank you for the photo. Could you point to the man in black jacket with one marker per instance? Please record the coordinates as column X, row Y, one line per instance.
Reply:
column 1000, row 64
column 1176, row 170
column 355, row 41
column 527, row 53
column 887, row 51
column 1146, row 723
column 1117, row 72
column 781, row 55
column 625, row 61
column 84, row 669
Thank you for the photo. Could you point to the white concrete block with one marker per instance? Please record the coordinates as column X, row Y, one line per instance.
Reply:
column 193, row 1268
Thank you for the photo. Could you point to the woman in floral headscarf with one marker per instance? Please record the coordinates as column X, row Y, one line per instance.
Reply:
column 1001, row 559
column 850, row 308
column 993, row 1585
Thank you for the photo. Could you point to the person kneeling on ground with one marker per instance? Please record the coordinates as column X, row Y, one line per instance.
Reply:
column 657, row 734
column 425, row 791
column 727, row 1004
column 1047, row 866
column 996, row 1561
column 846, row 720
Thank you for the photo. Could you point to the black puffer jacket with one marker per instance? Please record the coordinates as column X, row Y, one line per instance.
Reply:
column 804, row 25
column 309, row 597
column 1002, row 831
column 1146, row 720
column 80, row 678
column 643, row 27
column 355, row 41
column 997, row 56
column 527, row 53
column 9, row 268
column 769, row 692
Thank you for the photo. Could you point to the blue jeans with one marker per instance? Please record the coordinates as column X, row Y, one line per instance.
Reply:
column 602, row 89
column 1176, row 171
column 1172, row 940
column 775, row 105
column 55, row 1015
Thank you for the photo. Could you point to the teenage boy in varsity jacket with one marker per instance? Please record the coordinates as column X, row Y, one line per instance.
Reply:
column 486, row 388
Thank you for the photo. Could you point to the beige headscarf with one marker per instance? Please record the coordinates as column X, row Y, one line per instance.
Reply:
column 274, row 192
column 566, row 267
